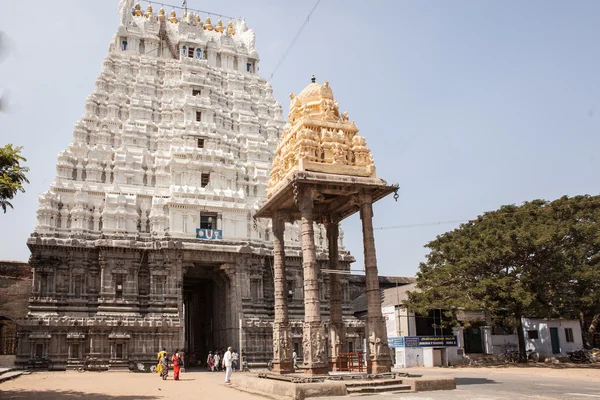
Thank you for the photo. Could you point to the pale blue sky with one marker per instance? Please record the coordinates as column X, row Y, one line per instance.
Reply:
column 468, row 105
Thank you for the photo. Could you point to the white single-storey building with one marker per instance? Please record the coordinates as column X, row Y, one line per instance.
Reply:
column 424, row 341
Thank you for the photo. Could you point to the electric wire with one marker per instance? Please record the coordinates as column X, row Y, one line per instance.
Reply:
column 498, row 215
column 282, row 59
column 188, row 8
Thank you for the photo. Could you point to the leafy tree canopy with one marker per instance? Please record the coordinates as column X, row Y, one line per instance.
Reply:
column 12, row 174
column 540, row 259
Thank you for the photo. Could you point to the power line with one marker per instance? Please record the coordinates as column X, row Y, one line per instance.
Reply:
column 185, row 8
column 294, row 40
column 498, row 215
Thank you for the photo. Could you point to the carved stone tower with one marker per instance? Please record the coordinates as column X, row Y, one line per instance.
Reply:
column 145, row 239
column 323, row 172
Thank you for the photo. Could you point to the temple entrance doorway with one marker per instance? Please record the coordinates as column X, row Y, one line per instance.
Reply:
column 198, row 306
column 206, row 310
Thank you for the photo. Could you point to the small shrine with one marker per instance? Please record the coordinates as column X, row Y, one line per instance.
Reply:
column 323, row 172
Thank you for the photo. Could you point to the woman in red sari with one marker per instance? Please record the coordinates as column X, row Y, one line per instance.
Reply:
column 177, row 364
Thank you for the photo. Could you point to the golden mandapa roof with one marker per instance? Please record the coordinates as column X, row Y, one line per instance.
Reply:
column 318, row 138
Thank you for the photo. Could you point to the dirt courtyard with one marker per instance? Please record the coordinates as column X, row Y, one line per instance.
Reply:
column 203, row 385
column 73, row 385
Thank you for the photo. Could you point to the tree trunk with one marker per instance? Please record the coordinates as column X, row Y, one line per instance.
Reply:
column 591, row 331
column 521, row 336
column 585, row 336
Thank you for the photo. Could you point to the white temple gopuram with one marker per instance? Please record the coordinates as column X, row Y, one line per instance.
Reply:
column 146, row 238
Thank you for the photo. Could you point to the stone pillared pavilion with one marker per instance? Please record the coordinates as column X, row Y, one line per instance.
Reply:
column 323, row 172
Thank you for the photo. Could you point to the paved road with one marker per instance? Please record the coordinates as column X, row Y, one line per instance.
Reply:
column 508, row 383
column 511, row 383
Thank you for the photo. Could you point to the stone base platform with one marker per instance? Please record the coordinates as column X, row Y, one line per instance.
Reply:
column 300, row 387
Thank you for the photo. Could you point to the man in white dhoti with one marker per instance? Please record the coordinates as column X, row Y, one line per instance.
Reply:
column 227, row 359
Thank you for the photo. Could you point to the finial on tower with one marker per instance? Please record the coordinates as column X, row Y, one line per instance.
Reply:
column 138, row 10
column 220, row 28
column 230, row 28
column 313, row 79
column 207, row 25
column 161, row 14
column 149, row 11
column 199, row 20
column 173, row 18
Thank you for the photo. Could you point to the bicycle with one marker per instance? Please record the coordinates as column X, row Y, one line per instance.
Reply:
column 509, row 356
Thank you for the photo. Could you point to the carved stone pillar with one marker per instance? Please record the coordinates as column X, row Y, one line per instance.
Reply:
column 378, row 356
column 336, row 325
column 282, row 334
column 313, row 341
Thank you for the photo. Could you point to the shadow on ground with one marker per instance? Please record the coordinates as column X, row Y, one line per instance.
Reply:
column 64, row 395
column 473, row 381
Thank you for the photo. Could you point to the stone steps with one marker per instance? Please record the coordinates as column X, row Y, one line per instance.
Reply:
column 377, row 386
column 8, row 375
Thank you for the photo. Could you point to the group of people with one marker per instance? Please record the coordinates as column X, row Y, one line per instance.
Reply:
column 163, row 364
column 220, row 361
column 217, row 361
column 227, row 361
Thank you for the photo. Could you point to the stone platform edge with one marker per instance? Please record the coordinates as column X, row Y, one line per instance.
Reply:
column 429, row 383
column 276, row 389
column 280, row 389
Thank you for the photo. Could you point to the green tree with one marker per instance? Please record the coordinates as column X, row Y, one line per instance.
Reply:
column 12, row 174
column 539, row 259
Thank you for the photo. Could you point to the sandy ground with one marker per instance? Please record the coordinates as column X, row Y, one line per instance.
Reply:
column 73, row 385
column 202, row 385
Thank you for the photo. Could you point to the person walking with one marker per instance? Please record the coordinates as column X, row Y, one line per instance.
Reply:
column 235, row 357
column 227, row 359
column 210, row 362
column 164, row 366
column 159, row 357
column 295, row 358
column 217, row 359
column 177, row 364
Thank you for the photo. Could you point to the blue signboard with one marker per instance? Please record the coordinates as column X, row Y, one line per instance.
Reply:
column 422, row 341
column 209, row 234
column 396, row 341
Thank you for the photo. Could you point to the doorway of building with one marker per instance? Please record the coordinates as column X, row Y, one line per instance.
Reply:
column 554, row 341
column 198, row 311
column 473, row 336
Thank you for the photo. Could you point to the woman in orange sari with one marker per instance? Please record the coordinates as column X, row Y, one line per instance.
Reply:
column 177, row 364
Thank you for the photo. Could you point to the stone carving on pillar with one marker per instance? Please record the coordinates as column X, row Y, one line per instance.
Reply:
column 282, row 346
column 379, row 359
column 313, row 331
column 336, row 325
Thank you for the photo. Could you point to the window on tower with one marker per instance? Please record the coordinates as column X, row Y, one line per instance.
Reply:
column 199, row 53
column 249, row 67
column 124, row 44
column 198, row 116
column 204, row 179
column 196, row 92
column 208, row 221
column 191, row 52
column 184, row 51
column 200, row 143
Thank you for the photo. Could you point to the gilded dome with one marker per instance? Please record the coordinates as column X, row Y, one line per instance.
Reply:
column 315, row 92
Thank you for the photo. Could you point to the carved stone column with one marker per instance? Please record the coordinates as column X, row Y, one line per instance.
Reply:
column 282, row 335
column 378, row 356
column 336, row 325
column 313, row 340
